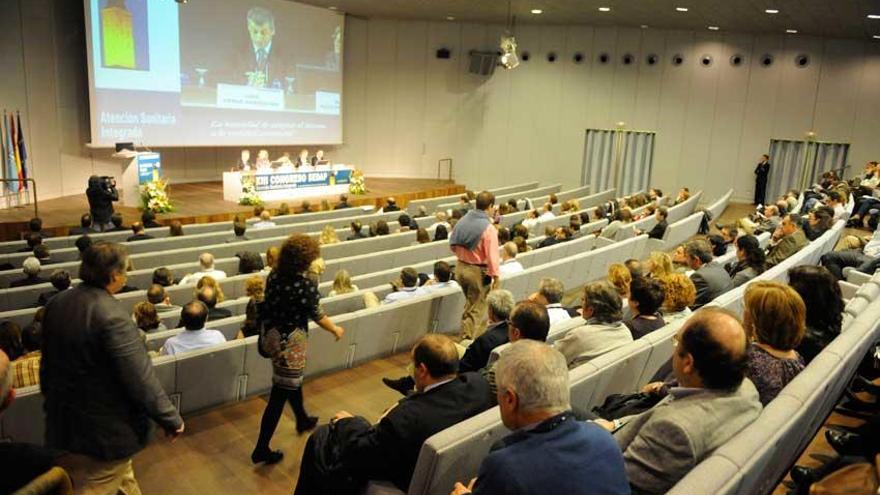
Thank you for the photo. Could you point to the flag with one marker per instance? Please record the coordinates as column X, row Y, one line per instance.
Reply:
column 22, row 153
column 11, row 171
column 14, row 136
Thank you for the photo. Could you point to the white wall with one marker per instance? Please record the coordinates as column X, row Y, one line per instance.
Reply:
column 404, row 109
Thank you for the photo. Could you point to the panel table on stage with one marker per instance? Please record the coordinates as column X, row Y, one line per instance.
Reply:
column 323, row 180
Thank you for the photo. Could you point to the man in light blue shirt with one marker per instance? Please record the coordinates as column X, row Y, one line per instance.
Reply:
column 406, row 287
column 196, row 336
column 441, row 280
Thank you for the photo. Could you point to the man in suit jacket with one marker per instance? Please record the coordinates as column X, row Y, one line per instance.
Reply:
column 476, row 357
column 263, row 62
column 549, row 451
column 793, row 240
column 98, row 382
column 659, row 230
column 60, row 281
column 389, row 450
column 712, row 402
column 343, row 202
column 85, row 225
column 710, row 279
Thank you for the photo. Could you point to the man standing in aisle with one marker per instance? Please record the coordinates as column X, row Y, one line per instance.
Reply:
column 100, row 389
column 474, row 241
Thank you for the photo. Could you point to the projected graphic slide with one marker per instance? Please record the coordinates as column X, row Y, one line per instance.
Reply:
column 209, row 73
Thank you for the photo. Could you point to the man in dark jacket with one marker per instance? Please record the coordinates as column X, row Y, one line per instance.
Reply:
column 476, row 357
column 209, row 296
column 98, row 382
column 101, row 194
column 389, row 450
column 659, row 230
column 710, row 279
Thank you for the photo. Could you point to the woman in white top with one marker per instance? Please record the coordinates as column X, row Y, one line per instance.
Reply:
column 509, row 265
column 342, row 284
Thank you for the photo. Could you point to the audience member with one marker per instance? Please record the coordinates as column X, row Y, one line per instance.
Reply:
column 239, row 227
column 41, row 253
column 500, row 305
column 283, row 209
column 265, row 220
column 441, row 233
column 291, row 300
column 659, row 265
column 509, row 264
column 818, row 222
column 206, row 260
column 148, row 220
column 31, row 269
column 35, row 226
column 193, row 318
column 328, row 236
column 175, row 229
column 750, row 260
column 422, row 236
column 546, row 212
column 356, row 233
column 787, row 240
column 710, row 279
column 621, row 279
column 10, row 340
column 116, row 223
column 405, row 286
column 475, row 245
column 390, row 205
column 305, row 206
column 382, row 228
column 85, row 226
column 603, row 329
column 163, row 277
column 343, row 202
column 99, row 387
column 836, row 201
column 659, row 230
column 680, row 295
column 405, row 223
column 33, row 240
column 147, row 318
column 255, row 290
column 342, row 284
column 824, row 305
column 711, row 404
column 60, row 280
column 550, row 293
column 563, row 455
column 208, row 296
column 439, row 219
column 774, row 317
column 389, row 450
column 646, row 298
column 717, row 244
column 866, row 261
column 212, row 283
column 635, row 267
column 138, row 233
column 272, row 254
column 26, row 368
column 82, row 243
column 528, row 320
column 160, row 300
column 248, row 262
column 550, row 238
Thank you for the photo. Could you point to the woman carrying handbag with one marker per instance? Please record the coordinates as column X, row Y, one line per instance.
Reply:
column 291, row 300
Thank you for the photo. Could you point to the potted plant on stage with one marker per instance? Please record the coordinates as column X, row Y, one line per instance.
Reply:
column 357, row 184
column 249, row 196
column 154, row 196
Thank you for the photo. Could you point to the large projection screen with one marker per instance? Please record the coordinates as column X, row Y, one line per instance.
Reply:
column 214, row 72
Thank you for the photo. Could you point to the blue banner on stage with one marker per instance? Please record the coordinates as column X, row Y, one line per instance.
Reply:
column 296, row 180
column 149, row 167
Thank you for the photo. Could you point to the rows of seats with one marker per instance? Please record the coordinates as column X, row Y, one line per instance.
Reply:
column 431, row 204
column 503, row 198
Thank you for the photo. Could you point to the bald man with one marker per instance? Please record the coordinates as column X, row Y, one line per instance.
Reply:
column 21, row 462
column 712, row 402
column 206, row 261
column 389, row 449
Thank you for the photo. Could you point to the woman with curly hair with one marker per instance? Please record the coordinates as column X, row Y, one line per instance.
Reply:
column 291, row 300
column 659, row 265
column 680, row 295
column 328, row 236
column 821, row 294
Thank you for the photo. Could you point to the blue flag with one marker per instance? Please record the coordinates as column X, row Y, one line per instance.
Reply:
column 11, row 169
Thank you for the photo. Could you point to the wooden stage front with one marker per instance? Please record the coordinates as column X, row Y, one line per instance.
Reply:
column 201, row 202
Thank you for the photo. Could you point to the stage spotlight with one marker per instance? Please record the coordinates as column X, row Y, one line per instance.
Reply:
column 509, row 58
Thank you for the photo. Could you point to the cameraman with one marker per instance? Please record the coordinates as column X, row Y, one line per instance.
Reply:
column 101, row 193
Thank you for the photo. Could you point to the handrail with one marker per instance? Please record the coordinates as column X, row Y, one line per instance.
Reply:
column 440, row 164
column 34, row 189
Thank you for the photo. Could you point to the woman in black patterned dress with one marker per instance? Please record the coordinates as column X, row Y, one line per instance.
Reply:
column 291, row 300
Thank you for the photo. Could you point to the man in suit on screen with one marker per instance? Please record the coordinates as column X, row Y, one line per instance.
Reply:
column 264, row 62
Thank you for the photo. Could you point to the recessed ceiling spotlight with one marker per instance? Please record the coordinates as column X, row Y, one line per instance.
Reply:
column 604, row 9
column 681, row 9
column 450, row 18
column 714, row 28
column 873, row 16
column 791, row 31
column 876, row 36
column 537, row 11
column 771, row 11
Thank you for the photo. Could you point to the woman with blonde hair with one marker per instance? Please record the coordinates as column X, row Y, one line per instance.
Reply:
column 774, row 317
column 620, row 278
column 680, row 295
column 209, row 281
column 659, row 265
column 342, row 284
column 328, row 236
column 255, row 289
column 271, row 259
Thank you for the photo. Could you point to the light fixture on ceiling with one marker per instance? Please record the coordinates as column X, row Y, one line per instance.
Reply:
column 873, row 16
column 771, row 11
column 876, row 36
column 682, row 9
column 604, row 9
column 537, row 11
column 644, row 26
column 450, row 18
column 791, row 31
column 713, row 28
column 507, row 44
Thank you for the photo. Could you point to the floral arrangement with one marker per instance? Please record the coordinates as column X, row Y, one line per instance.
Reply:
column 249, row 196
column 154, row 196
column 356, row 184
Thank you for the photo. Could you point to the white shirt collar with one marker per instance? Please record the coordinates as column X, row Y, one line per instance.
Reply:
column 268, row 49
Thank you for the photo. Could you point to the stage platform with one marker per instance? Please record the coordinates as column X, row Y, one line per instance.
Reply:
column 200, row 202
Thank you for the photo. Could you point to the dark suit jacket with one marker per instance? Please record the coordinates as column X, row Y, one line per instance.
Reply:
column 278, row 65
column 80, row 231
column 659, row 230
column 21, row 464
column 711, row 280
column 24, row 282
column 46, row 296
column 390, row 449
column 138, row 237
column 97, row 380
column 341, row 205
column 477, row 354
column 101, row 202
column 359, row 235
column 561, row 456
column 218, row 313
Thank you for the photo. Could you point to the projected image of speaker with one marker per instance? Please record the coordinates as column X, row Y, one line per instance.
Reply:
column 482, row 63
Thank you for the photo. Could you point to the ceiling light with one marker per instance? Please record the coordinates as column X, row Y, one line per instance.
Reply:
column 772, row 11
column 604, row 9
column 681, row 9
column 644, row 26
column 876, row 36
column 791, row 31
column 714, row 28
column 537, row 11
column 873, row 16
column 450, row 18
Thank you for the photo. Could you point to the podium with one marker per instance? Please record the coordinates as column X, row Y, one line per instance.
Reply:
column 139, row 167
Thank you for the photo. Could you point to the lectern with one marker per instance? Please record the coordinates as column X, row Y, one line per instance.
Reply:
column 138, row 168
